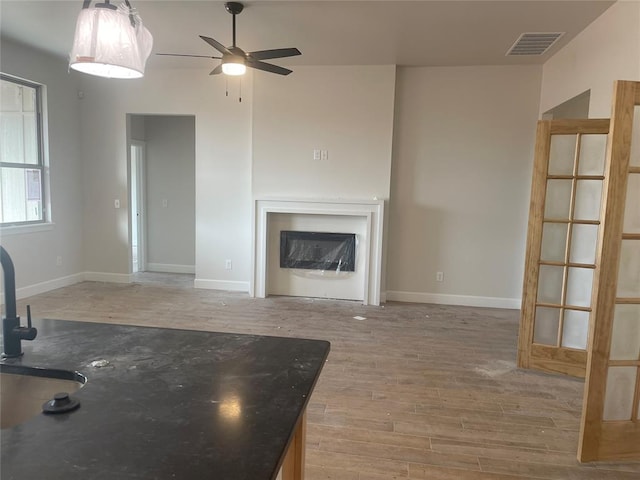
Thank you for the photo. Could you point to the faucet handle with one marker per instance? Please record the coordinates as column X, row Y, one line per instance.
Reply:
column 28, row 332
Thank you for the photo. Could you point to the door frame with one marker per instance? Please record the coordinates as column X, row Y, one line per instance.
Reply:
column 139, row 221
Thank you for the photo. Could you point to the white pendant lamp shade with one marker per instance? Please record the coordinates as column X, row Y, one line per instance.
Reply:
column 106, row 43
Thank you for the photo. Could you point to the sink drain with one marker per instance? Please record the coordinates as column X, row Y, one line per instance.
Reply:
column 61, row 403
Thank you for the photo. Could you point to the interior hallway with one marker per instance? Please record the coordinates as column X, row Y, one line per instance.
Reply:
column 413, row 391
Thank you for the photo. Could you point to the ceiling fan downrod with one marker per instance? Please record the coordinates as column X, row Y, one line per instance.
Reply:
column 234, row 8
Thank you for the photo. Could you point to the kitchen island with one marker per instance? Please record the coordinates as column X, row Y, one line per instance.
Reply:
column 167, row 404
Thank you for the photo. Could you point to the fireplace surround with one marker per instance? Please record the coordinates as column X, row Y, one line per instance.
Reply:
column 367, row 216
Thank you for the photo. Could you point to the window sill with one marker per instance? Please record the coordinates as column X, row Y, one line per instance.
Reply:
column 21, row 229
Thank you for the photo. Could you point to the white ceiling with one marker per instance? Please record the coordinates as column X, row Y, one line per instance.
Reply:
column 408, row 33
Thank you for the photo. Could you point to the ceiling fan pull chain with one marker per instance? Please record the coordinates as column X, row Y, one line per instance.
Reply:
column 226, row 86
column 240, row 96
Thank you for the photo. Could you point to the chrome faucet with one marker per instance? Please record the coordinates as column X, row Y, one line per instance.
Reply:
column 12, row 332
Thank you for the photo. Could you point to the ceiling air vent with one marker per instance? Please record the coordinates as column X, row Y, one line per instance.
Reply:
column 534, row 43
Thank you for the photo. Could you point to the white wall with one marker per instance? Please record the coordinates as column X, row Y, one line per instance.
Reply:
column 463, row 156
column 34, row 254
column 222, row 149
column 576, row 107
column 347, row 111
column 170, row 178
column 137, row 129
column 607, row 50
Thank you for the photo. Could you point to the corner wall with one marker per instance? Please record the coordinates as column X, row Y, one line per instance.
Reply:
column 222, row 185
column 607, row 50
column 34, row 253
column 463, row 155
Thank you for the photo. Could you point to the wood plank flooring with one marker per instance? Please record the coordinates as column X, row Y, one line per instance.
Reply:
column 413, row 391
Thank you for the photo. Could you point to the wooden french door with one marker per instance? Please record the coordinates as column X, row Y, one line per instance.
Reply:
column 564, row 221
column 610, row 426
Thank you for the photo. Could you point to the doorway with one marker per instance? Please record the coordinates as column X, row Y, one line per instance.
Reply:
column 162, row 193
column 137, row 205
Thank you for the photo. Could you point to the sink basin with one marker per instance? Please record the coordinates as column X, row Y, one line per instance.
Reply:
column 23, row 390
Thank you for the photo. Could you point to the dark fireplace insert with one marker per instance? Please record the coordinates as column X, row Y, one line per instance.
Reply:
column 318, row 250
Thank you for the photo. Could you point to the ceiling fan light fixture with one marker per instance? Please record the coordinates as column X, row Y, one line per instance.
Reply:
column 110, row 41
column 235, row 60
column 234, row 67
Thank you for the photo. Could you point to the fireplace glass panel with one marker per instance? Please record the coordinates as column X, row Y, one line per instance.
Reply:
column 318, row 250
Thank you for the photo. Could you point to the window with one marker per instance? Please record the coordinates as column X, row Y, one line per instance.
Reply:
column 21, row 152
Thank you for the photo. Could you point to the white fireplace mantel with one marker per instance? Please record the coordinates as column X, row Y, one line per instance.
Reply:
column 371, row 210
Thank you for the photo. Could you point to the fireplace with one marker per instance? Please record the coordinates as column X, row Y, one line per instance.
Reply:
column 318, row 250
column 361, row 219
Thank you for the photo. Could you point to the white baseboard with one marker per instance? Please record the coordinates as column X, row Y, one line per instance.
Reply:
column 446, row 299
column 107, row 277
column 228, row 285
column 170, row 268
column 47, row 286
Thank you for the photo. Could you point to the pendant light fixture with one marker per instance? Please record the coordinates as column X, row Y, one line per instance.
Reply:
column 110, row 41
column 234, row 62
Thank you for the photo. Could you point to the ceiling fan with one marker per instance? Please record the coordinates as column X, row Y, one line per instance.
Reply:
column 235, row 60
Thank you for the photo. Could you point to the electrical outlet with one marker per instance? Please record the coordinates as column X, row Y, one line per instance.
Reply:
column 116, row 203
column 316, row 154
column 439, row 276
column 324, row 154
column 59, row 261
column 227, row 265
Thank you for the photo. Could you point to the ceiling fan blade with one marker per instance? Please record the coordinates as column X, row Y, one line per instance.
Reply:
column 217, row 70
column 275, row 53
column 215, row 44
column 185, row 55
column 267, row 67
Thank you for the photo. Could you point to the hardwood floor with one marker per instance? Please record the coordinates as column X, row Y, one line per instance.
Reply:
column 413, row 391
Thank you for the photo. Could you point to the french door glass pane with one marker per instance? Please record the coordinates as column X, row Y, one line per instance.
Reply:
column 635, row 138
column 561, row 155
column 618, row 397
column 583, row 244
column 588, row 197
column 632, row 205
column 545, row 329
column 554, row 240
column 575, row 329
column 629, row 271
column 550, row 284
column 579, row 282
column 625, row 338
column 592, row 154
column 558, row 199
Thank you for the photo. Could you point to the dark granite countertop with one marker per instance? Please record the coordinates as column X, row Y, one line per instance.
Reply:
column 171, row 404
